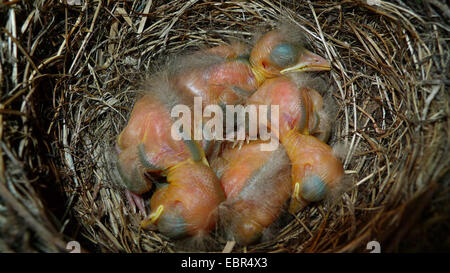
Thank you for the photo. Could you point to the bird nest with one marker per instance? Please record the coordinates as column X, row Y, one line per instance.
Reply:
column 69, row 78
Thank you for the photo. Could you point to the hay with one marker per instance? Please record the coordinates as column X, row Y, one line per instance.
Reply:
column 68, row 81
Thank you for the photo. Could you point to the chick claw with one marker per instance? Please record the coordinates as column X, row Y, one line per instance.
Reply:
column 136, row 200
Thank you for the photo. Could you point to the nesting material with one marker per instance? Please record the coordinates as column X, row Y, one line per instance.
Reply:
column 69, row 75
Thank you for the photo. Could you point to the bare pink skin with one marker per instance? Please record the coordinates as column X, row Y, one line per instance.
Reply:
column 150, row 125
column 311, row 157
column 136, row 200
column 298, row 119
column 256, row 189
column 187, row 202
column 148, row 129
column 229, row 51
column 230, row 82
column 190, row 200
column 294, row 104
column 300, row 108
column 240, row 164
column 260, row 56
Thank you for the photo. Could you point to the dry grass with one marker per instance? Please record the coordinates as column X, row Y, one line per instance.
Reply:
column 68, row 81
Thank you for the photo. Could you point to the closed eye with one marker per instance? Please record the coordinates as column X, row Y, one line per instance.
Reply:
column 284, row 55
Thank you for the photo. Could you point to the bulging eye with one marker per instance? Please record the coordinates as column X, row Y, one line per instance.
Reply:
column 172, row 225
column 284, row 55
column 313, row 189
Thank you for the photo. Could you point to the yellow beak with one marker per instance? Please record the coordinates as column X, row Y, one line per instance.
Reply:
column 309, row 61
column 297, row 203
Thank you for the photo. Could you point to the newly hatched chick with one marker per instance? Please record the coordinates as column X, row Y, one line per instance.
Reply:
column 315, row 169
column 230, row 51
column 216, row 77
column 300, row 108
column 186, row 205
column 281, row 51
column 324, row 105
column 223, row 75
column 148, row 134
column 257, row 186
column 146, row 147
column 219, row 76
column 320, row 125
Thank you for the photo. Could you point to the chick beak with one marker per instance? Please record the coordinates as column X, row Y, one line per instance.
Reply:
column 151, row 220
column 309, row 61
column 297, row 203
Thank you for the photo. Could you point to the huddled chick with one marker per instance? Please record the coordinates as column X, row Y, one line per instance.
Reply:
column 245, row 189
column 257, row 186
column 185, row 204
